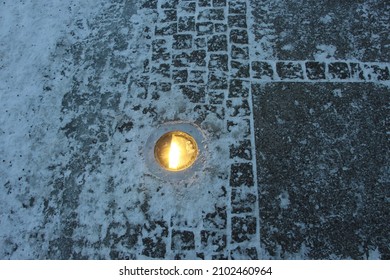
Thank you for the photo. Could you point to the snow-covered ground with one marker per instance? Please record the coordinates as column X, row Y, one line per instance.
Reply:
column 29, row 35
column 84, row 84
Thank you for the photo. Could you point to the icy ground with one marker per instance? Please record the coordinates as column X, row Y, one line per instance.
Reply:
column 84, row 83
column 31, row 33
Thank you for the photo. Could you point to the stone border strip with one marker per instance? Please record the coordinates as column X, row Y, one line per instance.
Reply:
column 244, row 218
column 316, row 71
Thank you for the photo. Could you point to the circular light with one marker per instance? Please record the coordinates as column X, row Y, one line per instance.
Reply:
column 176, row 151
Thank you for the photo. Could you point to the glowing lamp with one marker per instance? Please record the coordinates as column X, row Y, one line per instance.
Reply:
column 176, row 151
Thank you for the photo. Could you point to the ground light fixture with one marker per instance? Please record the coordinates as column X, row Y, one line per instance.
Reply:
column 175, row 151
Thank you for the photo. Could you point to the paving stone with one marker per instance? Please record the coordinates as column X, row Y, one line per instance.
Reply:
column 203, row 111
column 180, row 256
column 217, row 43
column 198, row 57
column 239, row 128
column 237, row 7
column 117, row 233
column 160, row 50
column 141, row 88
column 187, row 7
column 150, row 111
column 183, row 240
column 239, row 69
column 164, row 87
column 189, row 255
column 147, row 32
column 216, row 97
column 380, row 73
column 146, row 66
column 204, row 28
column 200, row 43
column 315, row 70
column 238, row 21
column 156, row 88
column 262, row 70
column 169, row 4
column 219, row 3
column 289, row 70
column 239, row 36
column 181, row 60
column 217, row 80
column 243, row 201
column 157, row 228
column 339, row 70
column 159, row 44
column 152, row 4
column 204, row 3
column 166, row 29
column 240, row 52
column 168, row 16
column 124, row 125
column 179, row 76
column 179, row 220
column 241, row 175
column 238, row 108
column 356, row 71
column 242, row 149
column 195, row 94
column 197, row 77
column 211, row 14
column 219, row 62
column 186, row 24
column 163, row 70
column 182, row 41
column 220, row 27
column 244, row 254
column 155, row 245
column 216, row 219
column 220, row 257
column 238, row 88
column 214, row 240
column 243, row 228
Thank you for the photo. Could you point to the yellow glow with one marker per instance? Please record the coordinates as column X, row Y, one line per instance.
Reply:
column 174, row 154
column 176, row 151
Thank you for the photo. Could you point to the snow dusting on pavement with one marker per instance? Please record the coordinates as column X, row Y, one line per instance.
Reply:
column 84, row 85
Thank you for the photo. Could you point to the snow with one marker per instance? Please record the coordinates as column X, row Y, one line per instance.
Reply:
column 61, row 152
column 325, row 53
column 35, row 37
column 29, row 34
column 284, row 200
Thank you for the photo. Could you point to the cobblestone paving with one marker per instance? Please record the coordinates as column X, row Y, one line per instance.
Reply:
column 201, row 49
column 199, row 53
column 247, row 202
